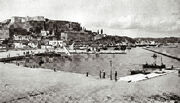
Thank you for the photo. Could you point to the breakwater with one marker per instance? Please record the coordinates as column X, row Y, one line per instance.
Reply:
column 13, row 55
column 8, row 59
column 168, row 55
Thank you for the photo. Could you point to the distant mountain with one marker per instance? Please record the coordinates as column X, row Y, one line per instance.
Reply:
column 161, row 40
column 115, row 39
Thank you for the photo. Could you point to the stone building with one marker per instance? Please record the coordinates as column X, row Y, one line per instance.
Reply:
column 76, row 36
column 23, row 37
column 99, row 36
column 17, row 19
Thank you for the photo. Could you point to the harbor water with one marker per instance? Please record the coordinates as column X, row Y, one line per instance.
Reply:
column 93, row 63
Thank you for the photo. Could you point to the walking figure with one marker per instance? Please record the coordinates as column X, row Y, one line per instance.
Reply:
column 115, row 75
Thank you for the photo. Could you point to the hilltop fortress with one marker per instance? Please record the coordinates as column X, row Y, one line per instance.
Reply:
column 15, row 19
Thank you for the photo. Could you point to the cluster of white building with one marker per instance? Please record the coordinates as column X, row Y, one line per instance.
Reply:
column 28, row 41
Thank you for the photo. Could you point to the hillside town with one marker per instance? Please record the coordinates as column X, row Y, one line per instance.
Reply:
column 40, row 32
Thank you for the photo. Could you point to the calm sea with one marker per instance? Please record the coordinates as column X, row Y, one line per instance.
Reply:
column 91, row 63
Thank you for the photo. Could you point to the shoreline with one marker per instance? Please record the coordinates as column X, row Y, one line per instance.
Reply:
column 16, row 55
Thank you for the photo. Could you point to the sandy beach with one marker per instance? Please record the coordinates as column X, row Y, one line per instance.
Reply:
column 20, row 84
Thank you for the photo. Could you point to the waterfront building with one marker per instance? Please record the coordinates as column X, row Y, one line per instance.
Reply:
column 46, row 47
column 22, row 37
column 56, row 43
column 1, row 40
column 64, row 36
column 18, row 45
column 33, row 44
column 44, row 33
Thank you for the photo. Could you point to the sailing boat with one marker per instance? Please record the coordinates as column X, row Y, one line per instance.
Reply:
column 71, row 47
column 66, row 51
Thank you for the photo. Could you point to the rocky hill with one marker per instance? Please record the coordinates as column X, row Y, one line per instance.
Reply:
column 115, row 39
column 28, row 25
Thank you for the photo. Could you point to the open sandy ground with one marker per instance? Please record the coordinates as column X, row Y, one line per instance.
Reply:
column 25, row 85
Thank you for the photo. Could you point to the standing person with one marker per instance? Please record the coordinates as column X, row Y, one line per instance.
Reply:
column 87, row 74
column 115, row 74
column 104, row 74
column 172, row 67
column 111, row 70
column 100, row 74
column 54, row 69
column 111, row 75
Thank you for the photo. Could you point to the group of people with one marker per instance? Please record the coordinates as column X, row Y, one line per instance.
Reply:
column 102, row 74
column 28, row 52
column 8, row 55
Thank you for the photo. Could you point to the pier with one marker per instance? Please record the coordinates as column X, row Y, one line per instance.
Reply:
column 168, row 55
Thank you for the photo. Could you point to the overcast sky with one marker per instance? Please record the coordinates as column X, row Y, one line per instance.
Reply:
column 134, row 18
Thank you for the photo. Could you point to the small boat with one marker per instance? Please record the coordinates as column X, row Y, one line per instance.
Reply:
column 116, row 48
column 139, row 72
column 160, row 72
column 154, row 56
column 154, row 66
column 123, row 47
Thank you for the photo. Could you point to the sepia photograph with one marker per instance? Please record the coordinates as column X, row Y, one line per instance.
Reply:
column 89, row 51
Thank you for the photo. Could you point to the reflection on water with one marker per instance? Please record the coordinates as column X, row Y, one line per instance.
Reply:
column 122, row 63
